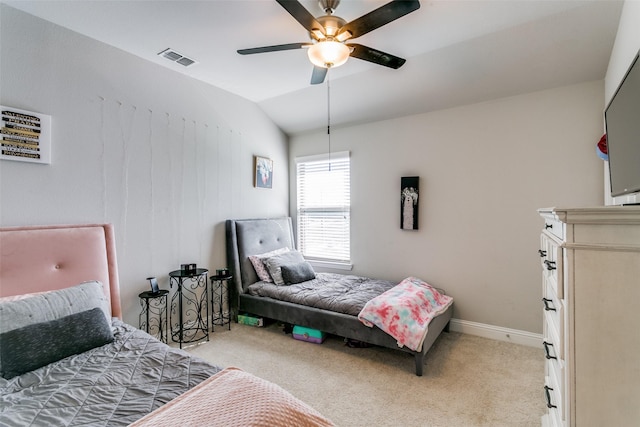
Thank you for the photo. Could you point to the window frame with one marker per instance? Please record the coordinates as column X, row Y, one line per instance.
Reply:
column 339, row 159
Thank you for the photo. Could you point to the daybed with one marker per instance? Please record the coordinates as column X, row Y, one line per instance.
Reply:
column 250, row 237
column 67, row 359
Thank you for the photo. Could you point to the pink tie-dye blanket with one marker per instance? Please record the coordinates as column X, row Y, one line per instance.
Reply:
column 405, row 311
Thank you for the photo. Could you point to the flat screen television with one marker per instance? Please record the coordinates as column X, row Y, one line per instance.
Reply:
column 622, row 122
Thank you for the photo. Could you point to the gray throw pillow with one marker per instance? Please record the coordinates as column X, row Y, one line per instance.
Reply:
column 53, row 305
column 297, row 273
column 31, row 347
column 274, row 264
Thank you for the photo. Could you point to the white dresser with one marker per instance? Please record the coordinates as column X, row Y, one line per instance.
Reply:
column 590, row 260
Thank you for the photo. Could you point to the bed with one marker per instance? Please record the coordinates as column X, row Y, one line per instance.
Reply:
column 67, row 358
column 252, row 237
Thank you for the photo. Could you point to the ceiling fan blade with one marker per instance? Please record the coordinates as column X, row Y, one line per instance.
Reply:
column 318, row 75
column 275, row 48
column 376, row 56
column 302, row 15
column 379, row 17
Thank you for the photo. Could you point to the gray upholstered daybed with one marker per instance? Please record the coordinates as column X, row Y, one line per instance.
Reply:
column 249, row 237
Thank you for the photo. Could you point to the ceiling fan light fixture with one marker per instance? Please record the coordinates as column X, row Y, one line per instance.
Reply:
column 328, row 54
column 344, row 36
column 317, row 35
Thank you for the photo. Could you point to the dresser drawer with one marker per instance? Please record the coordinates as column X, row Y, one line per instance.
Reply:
column 551, row 261
column 554, row 331
column 553, row 309
column 554, row 394
column 554, row 227
column 556, row 373
column 554, row 415
column 553, row 400
column 553, row 348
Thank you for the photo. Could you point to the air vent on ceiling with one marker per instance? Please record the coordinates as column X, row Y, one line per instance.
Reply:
column 174, row 56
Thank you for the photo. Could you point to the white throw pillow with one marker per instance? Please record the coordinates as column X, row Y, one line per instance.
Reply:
column 259, row 266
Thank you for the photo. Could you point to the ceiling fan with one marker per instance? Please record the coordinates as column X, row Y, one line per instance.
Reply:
column 330, row 32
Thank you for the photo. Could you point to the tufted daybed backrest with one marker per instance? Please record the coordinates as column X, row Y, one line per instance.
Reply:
column 253, row 237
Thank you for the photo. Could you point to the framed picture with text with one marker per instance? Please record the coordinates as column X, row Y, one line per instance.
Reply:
column 25, row 136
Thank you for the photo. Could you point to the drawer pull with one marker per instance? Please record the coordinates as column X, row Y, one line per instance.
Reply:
column 542, row 253
column 551, row 265
column 548, row 226
column 546, row 302
column 546, row 350
column 546, row 392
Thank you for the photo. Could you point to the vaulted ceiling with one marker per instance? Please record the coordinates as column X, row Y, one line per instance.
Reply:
column 457, row 52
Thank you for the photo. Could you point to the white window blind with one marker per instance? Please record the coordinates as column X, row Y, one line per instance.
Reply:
column 324, row 207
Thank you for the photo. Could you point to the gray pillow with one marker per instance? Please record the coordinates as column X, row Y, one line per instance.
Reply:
column 31, row 347
column 274, row 264
column 297, row 273
column 53, row 305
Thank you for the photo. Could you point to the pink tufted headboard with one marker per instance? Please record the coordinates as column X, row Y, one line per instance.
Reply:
column 45, row 258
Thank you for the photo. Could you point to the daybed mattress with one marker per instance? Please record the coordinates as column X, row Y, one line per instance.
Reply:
column 340, row 293
column 112, row 385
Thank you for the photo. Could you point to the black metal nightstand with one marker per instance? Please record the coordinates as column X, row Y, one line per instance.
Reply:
column 153, row 317
column 220, row 310
column 189, row 306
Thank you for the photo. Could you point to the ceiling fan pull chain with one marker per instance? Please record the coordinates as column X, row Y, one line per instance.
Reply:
column 329, row 112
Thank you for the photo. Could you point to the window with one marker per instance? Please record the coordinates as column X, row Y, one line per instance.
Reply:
column 324, row 207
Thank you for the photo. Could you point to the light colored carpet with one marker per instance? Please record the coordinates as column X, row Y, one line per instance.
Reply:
column 467, row 381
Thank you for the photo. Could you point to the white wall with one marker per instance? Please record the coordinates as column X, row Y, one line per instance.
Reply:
column 484, row 170
column 625, row 47
column 163, row 157
column 624, row 50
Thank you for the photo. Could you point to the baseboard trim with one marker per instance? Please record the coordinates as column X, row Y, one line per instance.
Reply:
column 496, row 333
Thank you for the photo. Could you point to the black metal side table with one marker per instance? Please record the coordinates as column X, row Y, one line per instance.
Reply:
column 220, row 312
column 189, row 306
column 153, row 317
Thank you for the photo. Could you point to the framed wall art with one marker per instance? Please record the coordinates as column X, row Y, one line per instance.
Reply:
column 409, row 189
column 263, row 172
column 26, row 136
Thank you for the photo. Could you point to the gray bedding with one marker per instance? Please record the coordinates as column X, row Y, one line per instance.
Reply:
column 340, row 293
column 112, row 385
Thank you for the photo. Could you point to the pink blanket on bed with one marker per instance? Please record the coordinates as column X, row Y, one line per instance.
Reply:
column 405, row 311
column 233, row 397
